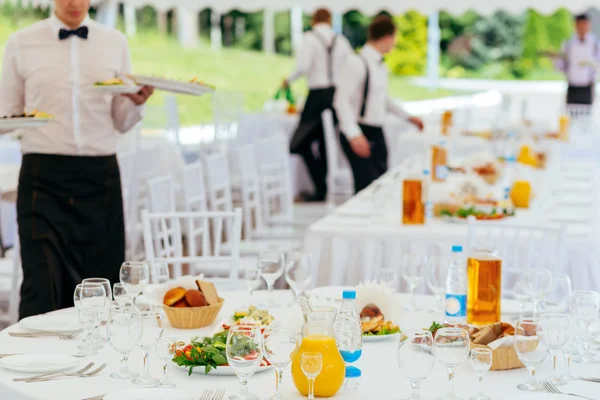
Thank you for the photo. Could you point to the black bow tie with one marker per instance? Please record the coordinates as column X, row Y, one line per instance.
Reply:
column 82, row 32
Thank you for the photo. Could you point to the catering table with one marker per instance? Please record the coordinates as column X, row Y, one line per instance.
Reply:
column 381, row 377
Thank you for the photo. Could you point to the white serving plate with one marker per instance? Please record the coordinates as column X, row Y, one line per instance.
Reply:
column 116, row 89
column 193, row 89
column 38, row 363
column 51, row 323
column 223, row 371
column 379, row 338
column 150, row 394
column 23, row 122
column 464, row 221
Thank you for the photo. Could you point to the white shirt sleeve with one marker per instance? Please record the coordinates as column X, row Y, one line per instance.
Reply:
column 395, row 108
column 124, row 112
column 12, row 85
column 304, row 59
column 352, row 77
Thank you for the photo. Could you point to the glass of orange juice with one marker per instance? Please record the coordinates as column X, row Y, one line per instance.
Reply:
column 311, row 364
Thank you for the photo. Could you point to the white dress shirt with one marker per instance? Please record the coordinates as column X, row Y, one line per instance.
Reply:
column 578, row 53
column 313, row 58
column 348, row 98
column 41, row 72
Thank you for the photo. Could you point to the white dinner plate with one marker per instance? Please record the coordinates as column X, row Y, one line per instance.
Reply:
column 194, row 89
column 51, row 323
column 116, row 89
column 38, row 363
column 150, row 394
column 224, row 371
column 379, row 338
column 540, row 396
column 23, row 122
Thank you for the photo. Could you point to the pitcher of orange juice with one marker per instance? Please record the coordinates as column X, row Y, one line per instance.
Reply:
column 318, row 337
column 484, row 274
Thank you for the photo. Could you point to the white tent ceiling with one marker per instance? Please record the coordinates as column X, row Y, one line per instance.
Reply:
column 365, row 6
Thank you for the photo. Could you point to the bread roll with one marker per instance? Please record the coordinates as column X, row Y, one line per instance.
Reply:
column 195, row 298
column 181, row 304
column 173, row 296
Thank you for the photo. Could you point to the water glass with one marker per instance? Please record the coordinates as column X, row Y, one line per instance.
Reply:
column 244, row 351
column 557, row 298
column 585, row 306
column 531, row 351
column 452, row 347
column 539, row 282
column 117, row 329
column 97, row 337
column 120, row 295
column 416, row 358
column 311, row 364
column 481, row 362
column 437, row 273
column 280, row 345
column 93, row 296
column 134, row 277
column 388, row 276
column 77, row 297
column 159, row 271
column 88, row 318
column 413, row 269
column 298, row 271
column 554, row 330
column 270, row 265
column 165, row 350
column 145, row 329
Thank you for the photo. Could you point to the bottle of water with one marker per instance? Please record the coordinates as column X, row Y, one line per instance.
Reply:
column 427, row 197
column 348, row 332
column 509, row 176
column 456, row 288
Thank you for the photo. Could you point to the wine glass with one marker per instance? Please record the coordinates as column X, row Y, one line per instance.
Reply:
column 531, row 351
column 145, row 329
column 97, row 337
column 77, row 297
column 389, row 276
column 311, row 364
column 521, row 292
column 120, row 295
column 539, row 282
column 134, row 276
column 270, row 264
column 280, row 344
column 88, row 318
column 413, row 270
column 244, row 351
column 416, row 358
column 298, row 272
column 117, row 329
column 585, row 306
column 159, row 271
column 93, row 296
column 554, row 331
column 165, row 350
column 557, row 298
column 452, row 347
column 481, row 361
column 437, row 273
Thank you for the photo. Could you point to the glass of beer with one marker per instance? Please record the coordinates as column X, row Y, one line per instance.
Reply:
column 484, row 273
column 413, row 206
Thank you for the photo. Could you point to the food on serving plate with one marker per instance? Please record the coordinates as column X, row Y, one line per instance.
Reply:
column 174, row 296
column 195, row 298
column 205, row 295
column 488, row 171
column 252, row 316
column 199, row 82
column 209, row 352
column 32, row 114
column 479, row 214
column 110, row 82
column 373, row 322
column 482, row 336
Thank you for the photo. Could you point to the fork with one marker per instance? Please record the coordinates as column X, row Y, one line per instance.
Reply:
column 206, row 395
column 45, row 334
column 551, row 388
column 86, row 375
column 219, row 394
column 81, row 371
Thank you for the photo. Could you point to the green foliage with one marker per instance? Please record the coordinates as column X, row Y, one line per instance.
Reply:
column 410, row 55
column 535, row 36
column 559, row 28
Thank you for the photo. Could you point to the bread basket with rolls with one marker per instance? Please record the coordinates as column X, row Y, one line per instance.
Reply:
column 192, row 308
column 499, row 337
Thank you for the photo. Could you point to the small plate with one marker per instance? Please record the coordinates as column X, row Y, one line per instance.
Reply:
column 150, row 394
column 38, row 363
column 169, row 85
column 379, row 338
column 116, row 89
column 23, row 122
column 224, row 371
column 50, row 323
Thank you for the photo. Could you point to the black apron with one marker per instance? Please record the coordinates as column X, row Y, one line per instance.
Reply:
column 71, row 227
column 580, row 94
column 366, row 170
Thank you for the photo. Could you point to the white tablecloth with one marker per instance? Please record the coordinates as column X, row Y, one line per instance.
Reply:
column 381, row 379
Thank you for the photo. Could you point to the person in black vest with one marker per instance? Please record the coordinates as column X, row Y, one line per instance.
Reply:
column 69, row 202
column 322, row 54
column 361, row 102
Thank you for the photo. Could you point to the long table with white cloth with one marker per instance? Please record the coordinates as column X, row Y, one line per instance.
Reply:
column 381, row 377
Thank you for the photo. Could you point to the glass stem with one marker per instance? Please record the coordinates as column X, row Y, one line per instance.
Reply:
column 414, row 390
column 480, row 385
column 165, row 373
column 535, row 307
column 87, row 342
column 553, row 357
column 279, row 372
column 146, row 365
column 413, row 301
column 532, row 378
column 311, row 388
column 451, row 382
column 124, row 368
column 243, row 386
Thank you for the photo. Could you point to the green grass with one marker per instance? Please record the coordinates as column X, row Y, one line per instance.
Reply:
column 255, row 74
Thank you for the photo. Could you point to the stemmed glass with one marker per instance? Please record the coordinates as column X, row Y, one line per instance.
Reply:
column 88, row 318
column 97, row 337
column 437, row 272
column 159, row 271
column 298, row 272
column 389, row 276
column 416, row 358
column 145, row 329
column 452, row 347
column 311, row 365
column 413, row 270
column 134, row 276
column 554, row 330
column 531, row 351
column 539, row 282
column 280, row 344
column 165, row 350
column 120, row 294
column 585, row 306
column 557, row 298
column 92, row 298
column 481, row 361
column 117, row 329
column 252, row 278
column 270, row 265
column 244, row 351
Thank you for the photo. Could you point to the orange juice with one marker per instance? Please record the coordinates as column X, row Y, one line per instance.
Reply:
column 521, row 194
column 332, row 376
column 563, row 127
column 484, row 272
column 413, row 207
column 446, row 122
column 438, row 162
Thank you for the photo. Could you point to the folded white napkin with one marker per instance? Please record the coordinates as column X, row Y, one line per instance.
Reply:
column 506, row 341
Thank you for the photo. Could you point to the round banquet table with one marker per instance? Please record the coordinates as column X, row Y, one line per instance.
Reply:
column 381, row 378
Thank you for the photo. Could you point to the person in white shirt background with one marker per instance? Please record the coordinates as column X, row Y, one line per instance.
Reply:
column 362, row 101
column 578, row 60
column 69, row 202
column 321, row 56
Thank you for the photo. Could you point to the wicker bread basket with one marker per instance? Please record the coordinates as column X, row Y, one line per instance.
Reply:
column 503, row 358
column 193, row 317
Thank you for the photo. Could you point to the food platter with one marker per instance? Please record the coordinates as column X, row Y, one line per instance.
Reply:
column 192, row 88
column 23, row 122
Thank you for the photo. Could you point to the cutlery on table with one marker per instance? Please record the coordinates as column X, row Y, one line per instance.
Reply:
column 551, row 388
column 60, row 375
column 219, row 394
column 82, row 370
column 61, row 335
column 208, row 394
column 589, row 379
column 101, row 397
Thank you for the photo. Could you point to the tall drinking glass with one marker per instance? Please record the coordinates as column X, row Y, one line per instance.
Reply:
column 93, row 296
column 585, row 306
column 159, row 271
column 244, row 350
column 120, row 294
column 298, row 271
column 145, row 329
column 165, row 350
column 481, row 361
column 452, row 347
column 97, row 337
column 134, row 276
column 539, row 282
column 413, row 269
column 270, row 264
column 117, row 329
column 280, row 345
column 554, row 330
column 531, row 350
column 416, row 359
column 437, row 271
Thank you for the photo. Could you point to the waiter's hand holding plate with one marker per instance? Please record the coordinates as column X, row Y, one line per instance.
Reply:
column 418, row 122
column 142, row 96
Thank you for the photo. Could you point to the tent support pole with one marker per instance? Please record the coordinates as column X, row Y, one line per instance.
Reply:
column 268, row 43
column 297, row 28
column 216, row 36
column 130, row 20
column 187, row 27
column 433, row 50
column 107, row 13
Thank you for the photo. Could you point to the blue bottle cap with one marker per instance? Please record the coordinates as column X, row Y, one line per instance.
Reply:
column 349, row 294
column 511, row 159
column 425, row 172
column 353, row 372
column 442, row 143
column 457, row 249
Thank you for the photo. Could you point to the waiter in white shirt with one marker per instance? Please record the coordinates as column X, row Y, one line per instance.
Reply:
column 579, row 60
column 322, row 54
column 69, row 205
column 361, row 102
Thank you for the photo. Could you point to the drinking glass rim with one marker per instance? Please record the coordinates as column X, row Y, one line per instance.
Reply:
column 91, row 280
column 134, row 263
column 481, row 350
column 451, row 330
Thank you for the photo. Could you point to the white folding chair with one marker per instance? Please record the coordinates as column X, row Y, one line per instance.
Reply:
column 227, row 111
column 167, row 243
column 11, row 276
column 340, row 183
column 195, row 199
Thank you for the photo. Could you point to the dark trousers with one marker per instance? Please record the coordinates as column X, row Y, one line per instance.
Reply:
column 70, row 216
column 580, row 94
column 366, row 170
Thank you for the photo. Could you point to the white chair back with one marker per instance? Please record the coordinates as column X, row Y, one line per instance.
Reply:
column 194, row 192
column 161, row 193
column 228, row 108
column 250, row 190
column 218, row 182
column 339, row 177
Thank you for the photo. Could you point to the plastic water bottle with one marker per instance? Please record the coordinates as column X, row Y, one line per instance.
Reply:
column 348, row 335
column 509, row 176
column 456, row 288
column 428, row 202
